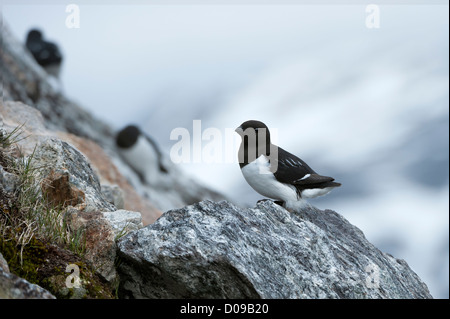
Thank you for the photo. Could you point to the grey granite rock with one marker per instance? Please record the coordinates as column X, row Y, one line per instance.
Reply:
column 123, row 221
column 8, row 180
column 61, row 164
column 113, row 195
column 218, row 250
column 4, row 264
column 13, row 287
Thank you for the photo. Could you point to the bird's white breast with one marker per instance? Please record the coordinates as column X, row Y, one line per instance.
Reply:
column 259, row 177
column 143, row 158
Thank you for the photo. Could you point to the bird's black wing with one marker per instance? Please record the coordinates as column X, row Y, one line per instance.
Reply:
column 289, row 168
column 55, row 54
column 293, row 170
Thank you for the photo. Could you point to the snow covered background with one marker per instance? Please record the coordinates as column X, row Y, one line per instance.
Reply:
column 366, row 106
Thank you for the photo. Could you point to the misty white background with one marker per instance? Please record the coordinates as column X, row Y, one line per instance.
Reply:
column 366, row 106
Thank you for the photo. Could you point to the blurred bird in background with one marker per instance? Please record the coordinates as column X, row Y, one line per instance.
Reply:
column 47, row 54
column 142, row 154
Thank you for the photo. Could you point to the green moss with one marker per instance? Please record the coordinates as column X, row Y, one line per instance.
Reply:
column 24, row 261
column 45, row 265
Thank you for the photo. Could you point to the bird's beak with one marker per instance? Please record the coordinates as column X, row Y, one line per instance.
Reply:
column 239, row 130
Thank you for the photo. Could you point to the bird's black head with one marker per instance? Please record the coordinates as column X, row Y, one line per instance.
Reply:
column 34, row 35
column 255, row 141
column 128, row 136
column 253, row 125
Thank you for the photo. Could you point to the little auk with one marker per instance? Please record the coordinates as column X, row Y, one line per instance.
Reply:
column 276, row 173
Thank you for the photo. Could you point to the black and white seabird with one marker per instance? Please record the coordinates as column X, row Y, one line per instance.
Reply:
column 141, row 153
column 276, row 173
column 45, row 53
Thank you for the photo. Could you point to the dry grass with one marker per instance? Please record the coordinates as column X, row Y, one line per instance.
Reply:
column 25, row 213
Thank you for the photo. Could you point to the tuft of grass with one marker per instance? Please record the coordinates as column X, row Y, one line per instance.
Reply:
column 35, row 238
column 123, row 231
column 30, row 216
column 13, row 137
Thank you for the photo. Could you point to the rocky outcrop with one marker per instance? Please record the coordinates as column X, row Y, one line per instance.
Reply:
column 67, row 177
column 65, row 181
column 88, row 186
column 218, row 250
column 127, row 192
column 113, row 185
column 101, row 229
